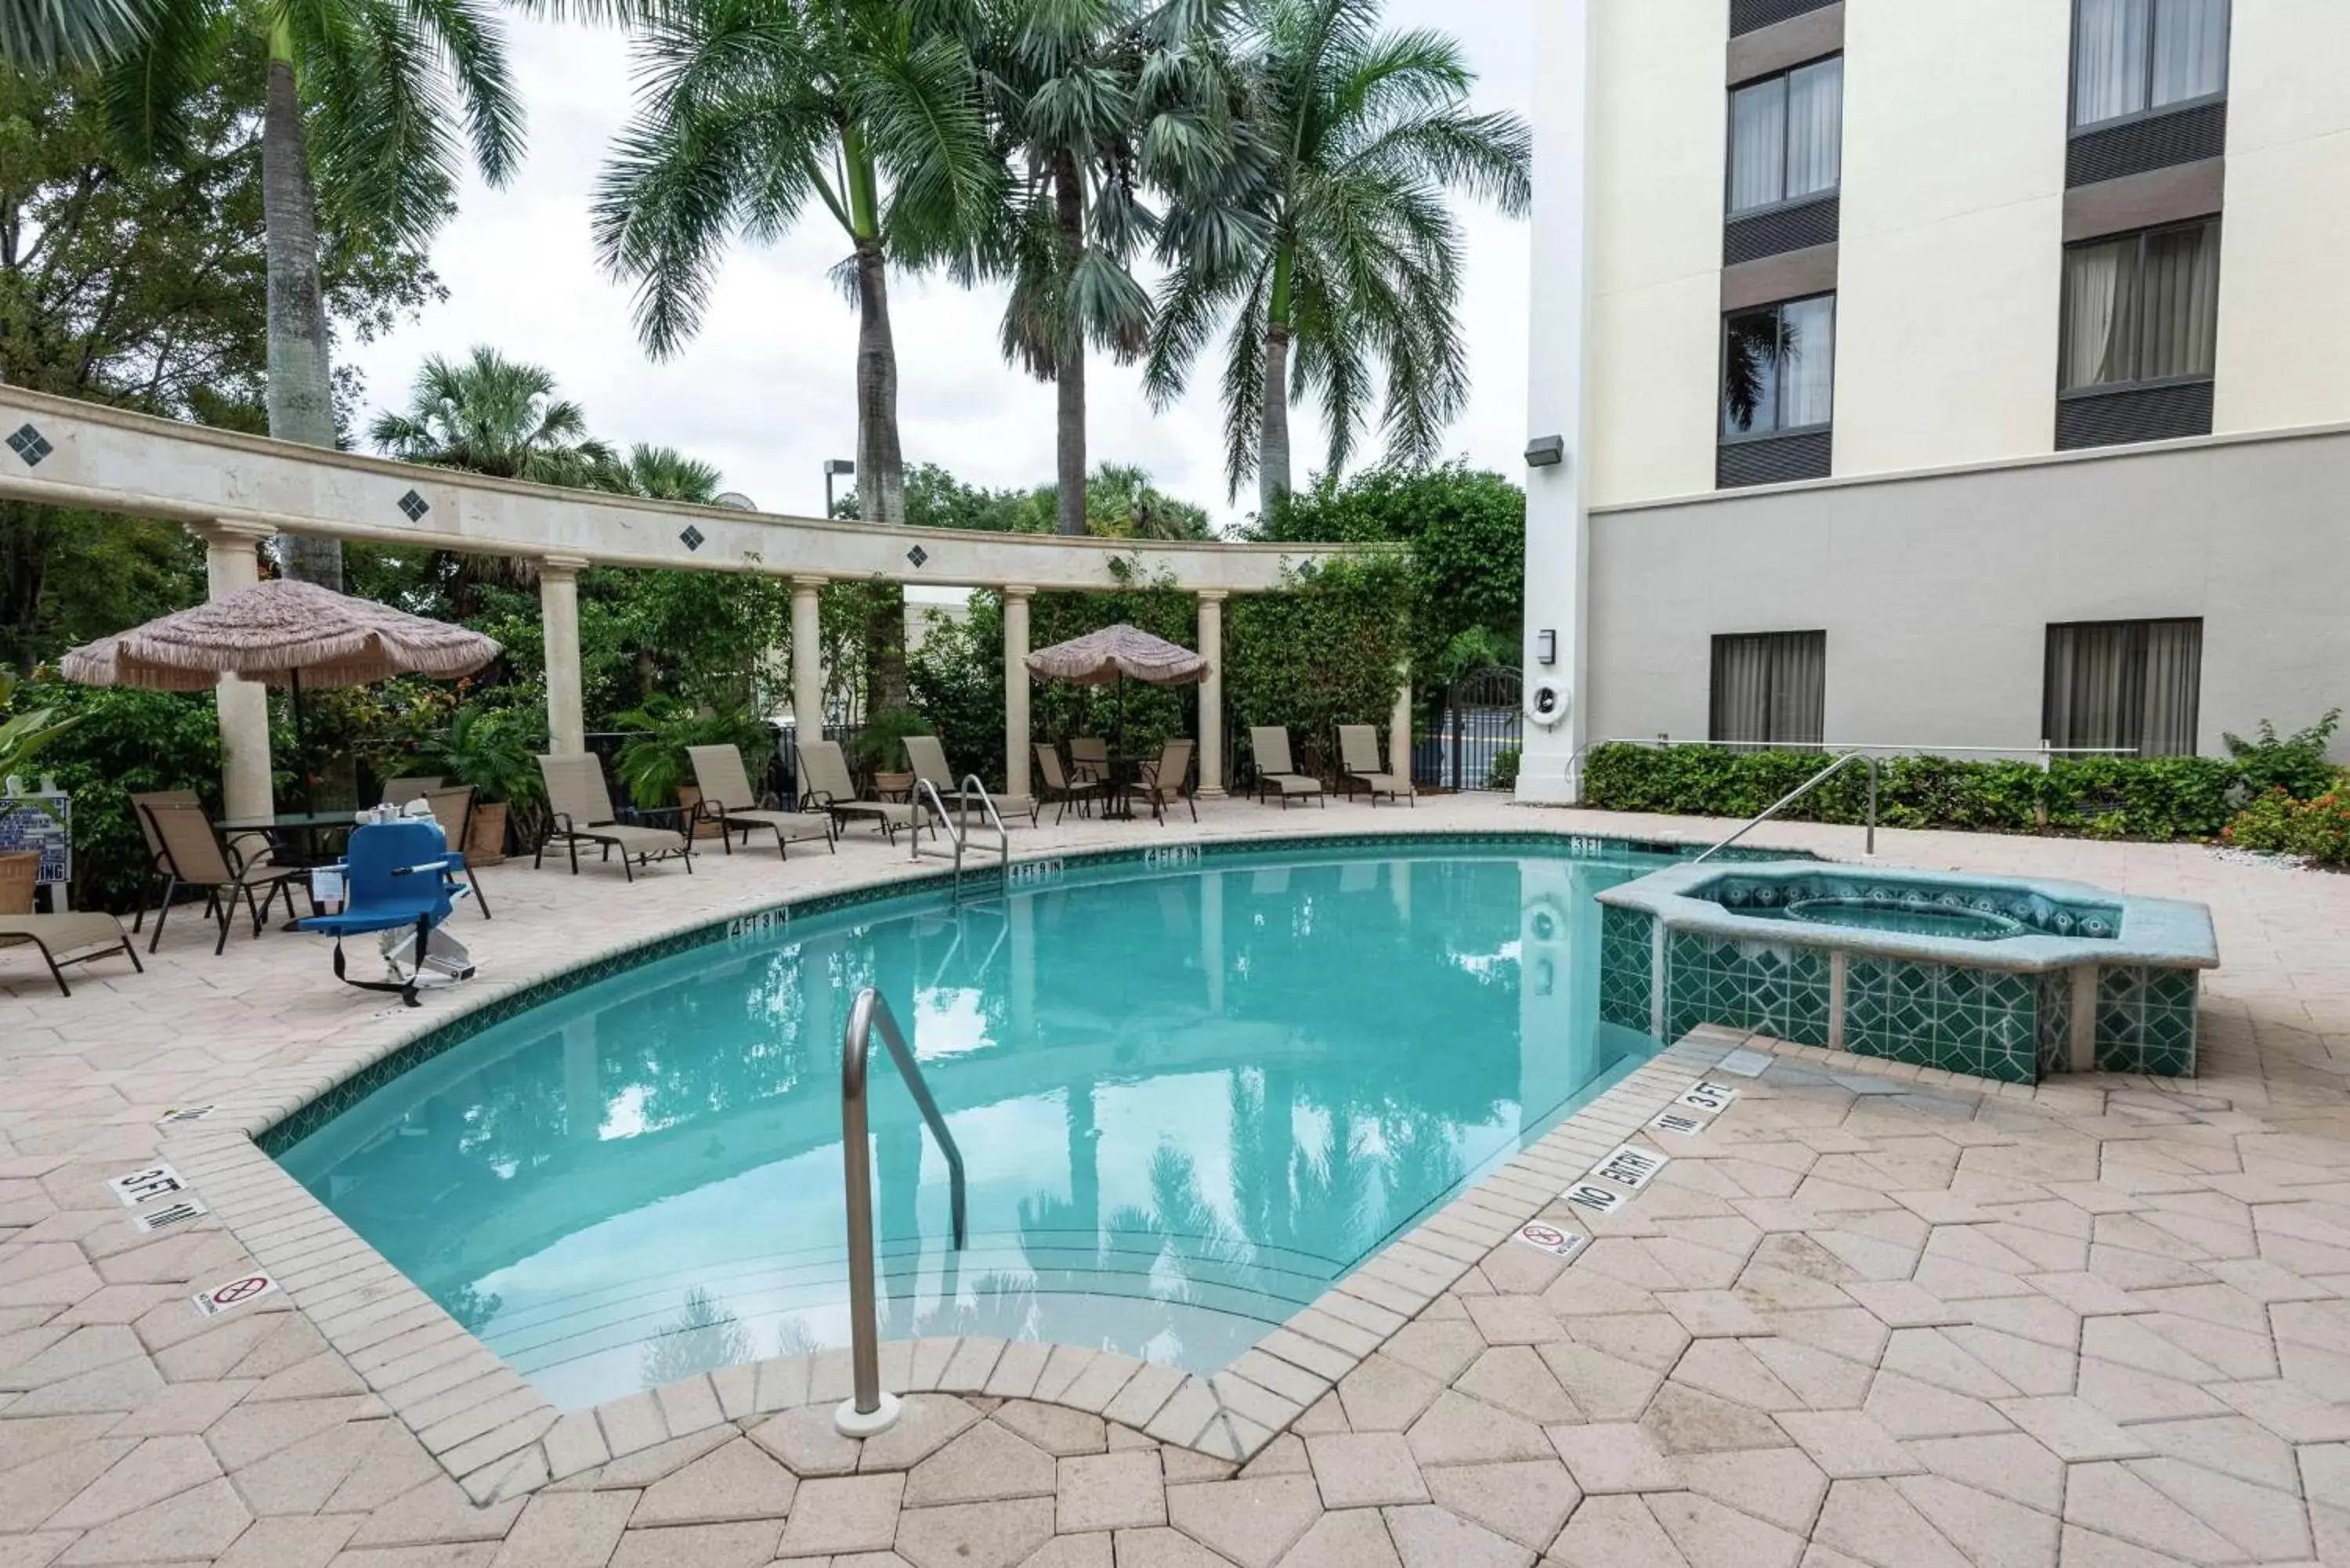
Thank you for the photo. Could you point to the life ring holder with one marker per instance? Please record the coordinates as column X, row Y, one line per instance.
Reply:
column 1547, row 703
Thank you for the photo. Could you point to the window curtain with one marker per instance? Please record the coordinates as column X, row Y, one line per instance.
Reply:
column 1807, row 363
column 2130, row 685
column 1750, row 373
column 2174, row 688
column 2099, row 283
column 2109, row 58
column 2190, row 49
column 1758, row 145
column 1814, row 128
column 1770, row 687
column 2182, row 302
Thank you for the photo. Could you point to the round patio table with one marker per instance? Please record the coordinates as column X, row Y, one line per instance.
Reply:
column 1125, row 774
column 297, row 840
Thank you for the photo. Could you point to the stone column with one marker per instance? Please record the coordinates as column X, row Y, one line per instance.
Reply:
column 1211, row 695
column 1399, row 731
column 230, row 566
column 1016, row 688
column 559, row 615
column 808, row 662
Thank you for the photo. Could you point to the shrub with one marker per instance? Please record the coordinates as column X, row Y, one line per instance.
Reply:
column 2277, row 823
column 1503, row 774
column 2295, row 765
column 123, row 743
column 2155, row 798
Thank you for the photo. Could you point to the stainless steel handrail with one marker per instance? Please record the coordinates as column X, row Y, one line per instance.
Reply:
column 956, row 829
column 970, row 782
column 1800, row 791
column 869, row 1410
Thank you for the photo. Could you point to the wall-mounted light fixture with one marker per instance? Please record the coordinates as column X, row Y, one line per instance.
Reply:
column 1546, row 647
column 1547, row 452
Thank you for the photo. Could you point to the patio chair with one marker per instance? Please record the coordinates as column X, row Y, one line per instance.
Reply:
column 825, row 785
column 727, row 800
column 156, row 875
column 411, row 786
column 1089, row 759
column 1060, row 787
column 196, row 855
column 579, row 810
column 930, row 762
column 1275, row 774
column 397, row 875
column 1168, row 780
column 1358, row 755
column 72, row 939
column 453, row 810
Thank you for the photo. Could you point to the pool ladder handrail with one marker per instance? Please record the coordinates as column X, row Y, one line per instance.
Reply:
column 926, row 795
column 869, row 1410
column 1799, row 792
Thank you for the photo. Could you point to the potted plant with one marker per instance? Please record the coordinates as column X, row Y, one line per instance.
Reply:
column 20, row 735
column 881, row 748
column 654, row 766
column 488, row 749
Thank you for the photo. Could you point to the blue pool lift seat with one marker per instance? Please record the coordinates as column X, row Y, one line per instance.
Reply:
column 396, row 876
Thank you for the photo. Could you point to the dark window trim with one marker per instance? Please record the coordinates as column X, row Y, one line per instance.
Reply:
column 1721, row 372
column 1730, row 137
column 2147, row 116
column 2138, row 326
column 2147, row 622
column 2072, row 79
column 1713, row 702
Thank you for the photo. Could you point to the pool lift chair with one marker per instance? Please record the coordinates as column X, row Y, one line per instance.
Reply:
column 400, row 881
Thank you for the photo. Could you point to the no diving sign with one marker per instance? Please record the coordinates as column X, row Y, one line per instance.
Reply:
column 231, row 1293
column 1550, row 1238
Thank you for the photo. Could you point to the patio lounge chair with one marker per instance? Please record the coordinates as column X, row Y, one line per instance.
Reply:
column 930, row 761
column 1168, row 780
column 157, row 873
column 1089, row 759
column 412, row 786
column 727, row 800
column 195, row 855
column 1275, row 774
column 824, row 785
column 69, row 938
column 1358, row 754
column 579, row 810
column 453, row 810
column 1061, row 788
column 398, row 875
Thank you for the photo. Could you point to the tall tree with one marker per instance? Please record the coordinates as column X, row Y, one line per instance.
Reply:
column 360, row 98
column 1335, row 243
column 665, row 473
column 46, row 33
column 750, row 109
column 489, row 414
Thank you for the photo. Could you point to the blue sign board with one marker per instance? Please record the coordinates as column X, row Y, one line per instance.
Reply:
column 41, row 822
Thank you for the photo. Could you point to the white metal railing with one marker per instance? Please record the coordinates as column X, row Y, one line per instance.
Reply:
column 867, row 1410
column 1799, row 792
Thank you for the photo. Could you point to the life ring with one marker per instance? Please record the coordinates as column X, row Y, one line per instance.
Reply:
column 1547, row 704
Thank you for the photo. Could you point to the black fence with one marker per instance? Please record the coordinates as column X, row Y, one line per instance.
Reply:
column 1475, row 735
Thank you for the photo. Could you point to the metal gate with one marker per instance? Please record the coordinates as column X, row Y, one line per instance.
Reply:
column 1475, row 735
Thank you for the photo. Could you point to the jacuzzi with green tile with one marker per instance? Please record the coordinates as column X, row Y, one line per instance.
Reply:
column 1995, row 977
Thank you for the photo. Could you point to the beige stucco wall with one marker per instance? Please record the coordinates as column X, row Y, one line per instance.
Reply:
column 1936, row 591
column 2285, row 337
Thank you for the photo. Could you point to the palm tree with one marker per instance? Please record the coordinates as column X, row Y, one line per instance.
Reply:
column 493, row 415
column 1335, row 242
column 750, row 109
column 43, row 34
column 665, row 473
column 363, row 101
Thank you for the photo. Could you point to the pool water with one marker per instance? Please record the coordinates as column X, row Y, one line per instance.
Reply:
column 1907, row 918
column 1187, row 1102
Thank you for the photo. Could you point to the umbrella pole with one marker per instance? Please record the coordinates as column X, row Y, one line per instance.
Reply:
column 301, row 762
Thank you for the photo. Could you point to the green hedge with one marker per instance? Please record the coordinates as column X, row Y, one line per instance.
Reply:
column 2155, row 798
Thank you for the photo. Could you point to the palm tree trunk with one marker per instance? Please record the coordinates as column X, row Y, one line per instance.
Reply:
column 880, row 472
column 1272, row 433
column 1070, row 374
column 301, row 387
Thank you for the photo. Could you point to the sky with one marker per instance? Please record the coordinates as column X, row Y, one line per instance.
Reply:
column 765, row 391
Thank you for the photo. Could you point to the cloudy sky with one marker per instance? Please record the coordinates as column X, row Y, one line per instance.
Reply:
column 764, row 392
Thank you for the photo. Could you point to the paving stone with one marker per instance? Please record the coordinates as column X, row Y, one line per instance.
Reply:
column 1353, row 1538
column 2108, row 1499
column 1527, row 1501
column 2010, row 1465
column 1055, row 1429
column 1780, row 1486
column 301, row 1479
column 1164, row 1548
column 1366, row 1469
column 2261, row 1522
column 1284, row 1456
column 157, row 1468
column 1249, row 1522
column 975, row 1535
column 1988, row 1530
column 567, row 1529
column 843, row 1515
column 1516, row 1378
column 745, row 1545
column 198, row 1523
column 1111, row 1491
column 986, row 1463
column 736, row 1481
column 1871, row 1522
column 2074, row 1429
column 434, row 1513
column 1385, row 1394
column 1432, row 1537
column 290, row 1542
column 807, row 1442
column 31, row 1491
column 1711, row 1536
column 1688, row 1421
column 1615, row 1458
column 1073, row 1551
column 1459, row 1430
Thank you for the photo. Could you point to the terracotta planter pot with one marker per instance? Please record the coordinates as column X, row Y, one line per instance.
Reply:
column 893, row 786
column 20, row 872
column 485, row 839
column 689, row 799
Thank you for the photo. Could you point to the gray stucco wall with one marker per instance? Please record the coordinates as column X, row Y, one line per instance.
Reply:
column 1936, row 589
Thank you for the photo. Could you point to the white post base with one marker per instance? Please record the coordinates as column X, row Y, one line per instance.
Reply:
column 851, row 1422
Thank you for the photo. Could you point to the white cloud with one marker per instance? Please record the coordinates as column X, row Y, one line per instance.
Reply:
column 765, row 389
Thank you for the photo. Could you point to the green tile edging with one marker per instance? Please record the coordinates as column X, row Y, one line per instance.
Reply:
column 1043, row 870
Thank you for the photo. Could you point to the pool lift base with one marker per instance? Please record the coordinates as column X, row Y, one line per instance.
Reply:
column 851, row 1422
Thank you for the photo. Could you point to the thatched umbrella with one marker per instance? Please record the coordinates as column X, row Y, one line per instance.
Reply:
column 1115, row 652
column 286, row 633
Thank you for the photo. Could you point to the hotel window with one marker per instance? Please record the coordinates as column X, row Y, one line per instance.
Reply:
column 2139, row 337
column 2126, row 685
column 1786, row 136
column 2141, row 57
column 1778, row 369
column 1770, row 687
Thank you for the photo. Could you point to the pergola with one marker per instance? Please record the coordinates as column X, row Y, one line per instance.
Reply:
column 235, row 490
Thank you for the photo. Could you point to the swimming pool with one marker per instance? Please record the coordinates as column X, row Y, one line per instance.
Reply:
column 1188, row 1098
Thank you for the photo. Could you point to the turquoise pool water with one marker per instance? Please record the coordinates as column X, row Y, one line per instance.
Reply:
column 1187, row 1100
